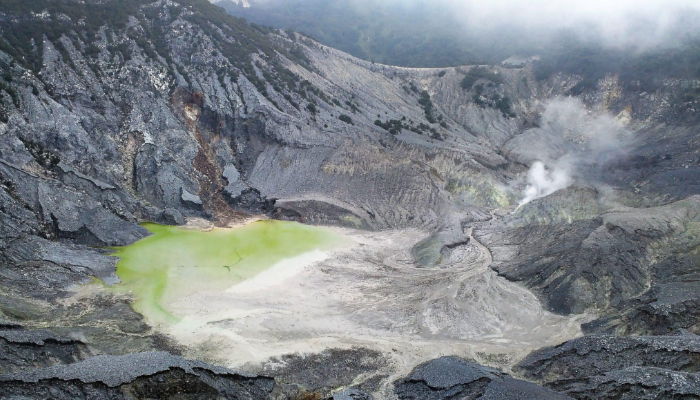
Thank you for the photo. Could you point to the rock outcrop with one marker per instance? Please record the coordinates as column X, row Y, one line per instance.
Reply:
column 651, row 367
column 636, row 267
column 140, row 375
column 451, row 377
column 117, row 112
column 23, row 350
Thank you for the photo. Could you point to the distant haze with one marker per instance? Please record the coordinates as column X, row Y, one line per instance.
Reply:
column 642, row 23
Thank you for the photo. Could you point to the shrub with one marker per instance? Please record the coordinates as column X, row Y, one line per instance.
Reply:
column 352, row 106
column 475, row 74
column 427, row 106
column 504, row 105
column 346, row 119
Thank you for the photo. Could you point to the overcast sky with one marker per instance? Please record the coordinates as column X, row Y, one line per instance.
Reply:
column 619, row 22
column 641, row 23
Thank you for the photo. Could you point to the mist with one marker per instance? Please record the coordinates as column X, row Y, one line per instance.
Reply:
column 543, row 182
column 622, row 23
column 641, row 25
column 585, row 142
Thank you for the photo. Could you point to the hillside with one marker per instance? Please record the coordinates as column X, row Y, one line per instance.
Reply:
column 114, row 113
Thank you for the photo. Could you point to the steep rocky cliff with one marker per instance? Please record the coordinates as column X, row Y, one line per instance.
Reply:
column 117, row 112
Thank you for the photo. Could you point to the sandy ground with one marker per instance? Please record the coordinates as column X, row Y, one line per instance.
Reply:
column 202, row 224
column 372, row 295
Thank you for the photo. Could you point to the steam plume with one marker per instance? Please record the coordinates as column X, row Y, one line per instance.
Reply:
column 543, row 182
column 572, row 144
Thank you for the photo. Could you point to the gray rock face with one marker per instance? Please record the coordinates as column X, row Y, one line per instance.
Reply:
column 352, row 394
column 191, row 200
column 324, row 372
column 168, row 115
column 171, row 216
column 69, row 213
column 23, row 350
column 576, row 358
column 161, row 130
column 651, row 367
column 451, row 377
column 141, row 375
column 635, row 383
column 234, row 186
column 603, row 261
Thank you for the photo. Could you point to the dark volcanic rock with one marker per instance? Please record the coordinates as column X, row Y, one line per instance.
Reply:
column 352, row 394
column 638, row 266
column 68, row 213
column 251, row 200
column 141, row 375
column 112, row 114
column 171, row 216
column 190, row 200
column 324, row 372
column 600, row 353
column 673, row 302
column 24, row 349
column 324, row 211
column 452, row 377
column 634, row 383
column 623, row 367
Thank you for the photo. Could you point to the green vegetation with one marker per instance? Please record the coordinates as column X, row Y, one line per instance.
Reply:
column 353, row 107
column 176, row 262
column 235, row 40
column 637, row 71
column 475, row 74
column 419, row 35
column 5, row 87
column 422, row 35
column 493, row 99
column 43, row 157
column 19, row 41
column 346, row 119
column 394, row 40
column 428, row 106
column 504, row 105
column 476, row 97
column 395, row 127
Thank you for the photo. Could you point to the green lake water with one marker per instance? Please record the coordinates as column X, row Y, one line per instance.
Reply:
column 175, row 262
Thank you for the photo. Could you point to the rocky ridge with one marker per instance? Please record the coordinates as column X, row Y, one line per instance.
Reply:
column 169, row 110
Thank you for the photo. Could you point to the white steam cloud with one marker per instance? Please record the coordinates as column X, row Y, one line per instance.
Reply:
column 572, row 143
column 638, row 23
column 543, row 182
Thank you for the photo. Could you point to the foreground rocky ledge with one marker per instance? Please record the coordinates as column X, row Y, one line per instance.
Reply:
column 163, row 375
column 619, row 367
column 454, row 378
column 103, row 133
column 140, row 375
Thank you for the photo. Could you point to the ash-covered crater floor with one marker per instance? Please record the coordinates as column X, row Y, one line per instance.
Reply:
column 370, row 296
column 160, row 111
